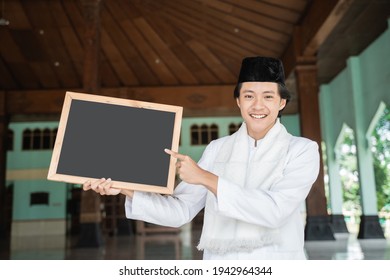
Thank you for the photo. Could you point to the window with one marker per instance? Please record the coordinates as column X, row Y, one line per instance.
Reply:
column 46, row 139
column 36, row 139
column 39, row 139
column 213, row 132
column 10, row 140
column 204, row 134
column 233, row 128
column 39, row 198
column 27, row 137
column 195, row 135
column 53, row 136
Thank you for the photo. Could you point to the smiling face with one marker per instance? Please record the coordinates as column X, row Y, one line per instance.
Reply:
column 259, row 103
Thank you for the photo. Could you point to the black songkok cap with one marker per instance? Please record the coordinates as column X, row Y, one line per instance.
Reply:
column 261, row 69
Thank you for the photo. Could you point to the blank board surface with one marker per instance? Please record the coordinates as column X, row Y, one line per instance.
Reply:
column 116, row 138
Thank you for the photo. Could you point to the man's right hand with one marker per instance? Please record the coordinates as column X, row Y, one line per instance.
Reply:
column 102, row 187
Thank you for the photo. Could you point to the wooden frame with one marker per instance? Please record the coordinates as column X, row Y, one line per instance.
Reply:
column 95, row 134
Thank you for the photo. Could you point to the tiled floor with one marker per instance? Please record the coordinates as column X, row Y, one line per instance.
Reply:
column 182, row 246
column 348, row 247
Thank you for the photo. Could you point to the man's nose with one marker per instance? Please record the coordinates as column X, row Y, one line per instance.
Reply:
column 259, row 103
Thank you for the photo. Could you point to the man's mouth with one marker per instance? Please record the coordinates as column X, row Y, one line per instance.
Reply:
column 255, row 116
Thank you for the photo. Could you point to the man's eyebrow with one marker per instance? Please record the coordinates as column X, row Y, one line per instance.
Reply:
column 269, row 91
column 248, row 90
column 252, row 91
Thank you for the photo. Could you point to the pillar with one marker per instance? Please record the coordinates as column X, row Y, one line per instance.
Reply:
column 335, row 186
column 90, row 210
column 318, row 226
column 369, row 221
column 4, row 222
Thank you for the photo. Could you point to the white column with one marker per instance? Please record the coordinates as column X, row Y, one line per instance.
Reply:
column 369, row 225
column 335, row 186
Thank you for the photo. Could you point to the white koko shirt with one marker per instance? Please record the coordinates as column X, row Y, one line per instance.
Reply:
column 277, row 208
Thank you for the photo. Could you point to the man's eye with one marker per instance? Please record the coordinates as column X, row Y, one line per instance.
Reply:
column 269, row 96
column 248, row 96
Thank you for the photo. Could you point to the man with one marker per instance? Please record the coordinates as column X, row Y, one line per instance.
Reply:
column 251, row 183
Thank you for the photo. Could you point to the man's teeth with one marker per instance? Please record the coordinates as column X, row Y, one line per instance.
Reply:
column 258, row 116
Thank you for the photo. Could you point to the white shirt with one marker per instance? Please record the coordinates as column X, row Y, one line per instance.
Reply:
column 277, row 208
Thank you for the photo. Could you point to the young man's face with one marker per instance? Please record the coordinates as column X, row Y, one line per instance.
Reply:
column 259, row 103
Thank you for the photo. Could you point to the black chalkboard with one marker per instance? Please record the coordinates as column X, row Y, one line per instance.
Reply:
column 115, row 138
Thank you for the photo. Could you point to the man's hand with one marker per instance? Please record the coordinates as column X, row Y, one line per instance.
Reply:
column 102, row 187
column 190, row 172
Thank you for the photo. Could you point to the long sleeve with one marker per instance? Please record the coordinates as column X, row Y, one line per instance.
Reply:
column 171, row 210
column 272, row 208
column 166, row 210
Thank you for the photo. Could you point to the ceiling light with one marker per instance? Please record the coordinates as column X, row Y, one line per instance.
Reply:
column 3, row 21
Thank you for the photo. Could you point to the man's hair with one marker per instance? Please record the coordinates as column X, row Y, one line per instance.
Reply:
column 282, row 89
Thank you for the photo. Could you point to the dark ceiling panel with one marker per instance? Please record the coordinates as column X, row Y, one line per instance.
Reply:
column 28, row 43
column 6, row 78
column 159, row 43
column 362, row 24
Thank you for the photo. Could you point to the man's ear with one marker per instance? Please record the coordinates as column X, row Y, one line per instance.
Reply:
column 238, row 102
column 283, row 103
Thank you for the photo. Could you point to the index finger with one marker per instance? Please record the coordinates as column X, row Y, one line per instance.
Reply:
column 175, row 155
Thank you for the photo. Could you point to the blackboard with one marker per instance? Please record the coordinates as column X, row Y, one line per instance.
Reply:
column 107, row 137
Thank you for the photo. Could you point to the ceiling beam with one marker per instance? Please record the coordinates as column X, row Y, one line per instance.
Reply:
column 315, row 27
column 196, row 100
column 91, row 74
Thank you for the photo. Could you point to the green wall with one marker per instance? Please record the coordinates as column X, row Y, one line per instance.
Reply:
column 373, row 66
column 354, row 97
column 195, row 152
column 18, row 160
column 22, row 210
column 28, row 160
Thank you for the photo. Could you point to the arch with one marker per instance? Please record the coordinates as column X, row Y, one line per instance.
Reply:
column 233, row 127
column 46, row 139
column 195, row 137
column 379, row 113
column 346, row 156
column 53, row 136
column 36, row 139
column 204, row 134
column 10, row 140
column 214, row 132
column 27, row 139
column 379, row 145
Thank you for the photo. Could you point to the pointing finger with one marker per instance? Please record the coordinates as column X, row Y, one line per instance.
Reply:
column 175, row 155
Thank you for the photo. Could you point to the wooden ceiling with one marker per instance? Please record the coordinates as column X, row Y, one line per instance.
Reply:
column 196, row 44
